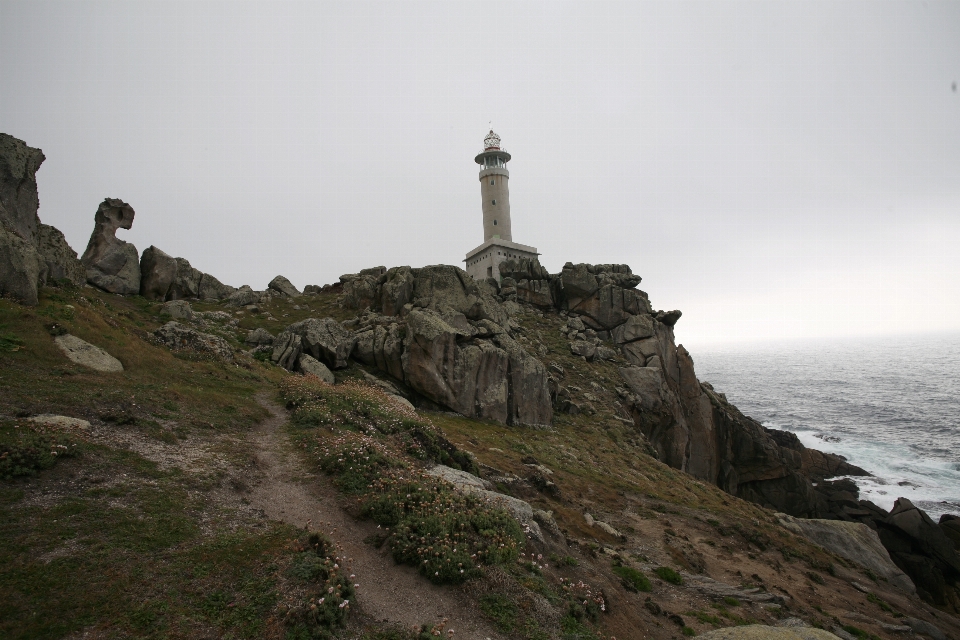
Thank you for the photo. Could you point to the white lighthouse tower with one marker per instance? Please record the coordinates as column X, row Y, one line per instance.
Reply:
column 498, row 244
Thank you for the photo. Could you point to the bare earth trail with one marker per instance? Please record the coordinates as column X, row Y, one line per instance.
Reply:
column 286, row 491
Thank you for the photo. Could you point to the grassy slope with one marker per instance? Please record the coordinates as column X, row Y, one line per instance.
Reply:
column 113, row 542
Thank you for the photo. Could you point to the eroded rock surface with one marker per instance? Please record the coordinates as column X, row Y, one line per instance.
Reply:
column 178, row 337
column 88, row 355
column 112, row 264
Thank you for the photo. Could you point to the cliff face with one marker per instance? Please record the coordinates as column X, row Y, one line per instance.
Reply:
column 450, row 339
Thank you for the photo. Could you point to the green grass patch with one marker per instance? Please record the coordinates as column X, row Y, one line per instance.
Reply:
column 633, row 579
column 27, row 448
column 668, row 575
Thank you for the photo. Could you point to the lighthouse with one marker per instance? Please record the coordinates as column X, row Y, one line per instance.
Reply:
column 498, row 244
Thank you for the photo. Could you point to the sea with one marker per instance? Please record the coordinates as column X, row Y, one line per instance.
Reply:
column 889, row 405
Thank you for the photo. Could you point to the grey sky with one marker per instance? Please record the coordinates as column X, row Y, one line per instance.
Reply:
column 773, row 169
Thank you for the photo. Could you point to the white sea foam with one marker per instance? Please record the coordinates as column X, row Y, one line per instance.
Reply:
column 889, row 406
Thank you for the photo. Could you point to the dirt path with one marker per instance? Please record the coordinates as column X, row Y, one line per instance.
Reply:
column 388, row 592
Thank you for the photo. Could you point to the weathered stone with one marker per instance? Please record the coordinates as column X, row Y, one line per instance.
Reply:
column 186, row 284
column 634, row 328
column 360, row 291
column 88, row 355
column 639, row 352
column 539, row 293
column 158, row 271
column 582, row 348
column 287, row 348
column 382, row 346
column 669, row 318
column 646, row 384
column 177, row 309
column 241, row 297
column 61, row 260
column 283, row 286
column 112, row 264
column 61, row 422
column 851, row 540
column 22, row 269
column 213, row 289
column 445, row 288
column 396, row 290
column 19, row 200
column 309, row 365
column 259, row 336
column 522, row 269
column 178, row 337
column 326, row 340
column 764, row 632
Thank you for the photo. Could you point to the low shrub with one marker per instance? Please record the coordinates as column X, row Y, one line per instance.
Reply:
column 26, row 449
column 329, row 590
column 669, row 575
column 632, row 579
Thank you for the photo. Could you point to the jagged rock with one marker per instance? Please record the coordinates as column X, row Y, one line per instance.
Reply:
column 449, row 289
column 522, row 269
column 284, row 286
column 19, row 200
column 186, row 284
column 178, row 337
column 646, row 383
column 86, row 354
column 396, row 290
column 950, row 525
column 22, row 268
column 212, row 289
column 61, row 261
column 241, row 297
column 382, row 346
column 925, row 628
column 259, row 336
column 582, row 348
column 853, row 541
column 669, row 318
column 493, row 379
column 814, row 464
column 360, row 290
column 112, row 264
column 634, row 328
column 158, row 272
column 287, row 347
column 311, row 366
column 539, row 293
column 326, row 340
column 177, row 309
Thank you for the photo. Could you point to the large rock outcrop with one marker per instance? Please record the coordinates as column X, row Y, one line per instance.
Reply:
column 19, row 200
column 112, row 264
column 163, row 277
column 22, row 269
column 62, row 263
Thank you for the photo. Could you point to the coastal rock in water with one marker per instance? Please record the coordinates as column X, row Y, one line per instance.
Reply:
column 158, row 271
column 283, row 286
column 88, row 355
column 112, row 264
column 178, row 337
column 851, row 540
column 19, row 200
column 61, row 261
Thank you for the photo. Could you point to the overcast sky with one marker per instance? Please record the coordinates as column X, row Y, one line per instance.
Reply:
column 776, row 170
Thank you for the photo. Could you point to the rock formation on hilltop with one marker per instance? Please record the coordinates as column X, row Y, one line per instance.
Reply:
column 112, row 264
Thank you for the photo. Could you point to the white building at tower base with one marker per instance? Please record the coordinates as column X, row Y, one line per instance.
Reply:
column 484, row 261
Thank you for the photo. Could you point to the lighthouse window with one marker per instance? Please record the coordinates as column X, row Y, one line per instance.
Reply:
column 494, row 202
column 492, row 181
column 494, row 223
